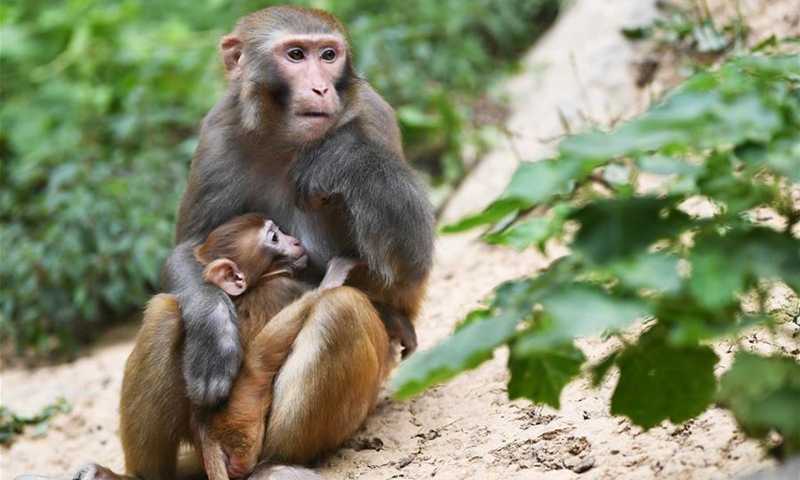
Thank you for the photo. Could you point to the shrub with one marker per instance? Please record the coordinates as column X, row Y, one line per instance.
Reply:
column 730, row 138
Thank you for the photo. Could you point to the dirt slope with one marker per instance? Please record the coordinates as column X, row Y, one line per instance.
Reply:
column 465, row 429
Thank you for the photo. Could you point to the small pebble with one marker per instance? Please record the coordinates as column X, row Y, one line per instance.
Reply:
column 584, row 465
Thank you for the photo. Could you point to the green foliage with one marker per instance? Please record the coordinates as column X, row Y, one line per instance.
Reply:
column 540, row 375
column 660, row 381
column 12, row 424
column 763, row 393
column 101, row 103
column 690, row 30
column 727, row 137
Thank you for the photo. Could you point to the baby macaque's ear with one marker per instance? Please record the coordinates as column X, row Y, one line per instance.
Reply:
column 226, row 275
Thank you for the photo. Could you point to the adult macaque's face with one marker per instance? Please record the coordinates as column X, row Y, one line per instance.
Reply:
column 311, row 65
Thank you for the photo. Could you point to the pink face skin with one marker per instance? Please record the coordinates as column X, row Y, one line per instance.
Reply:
column 288, row 248
column 311, row 64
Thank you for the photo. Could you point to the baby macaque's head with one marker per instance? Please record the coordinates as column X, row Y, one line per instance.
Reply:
column 238, row 253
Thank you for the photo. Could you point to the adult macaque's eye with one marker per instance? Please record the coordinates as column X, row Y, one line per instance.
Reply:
column 329, row 55
column 272, row 237
column 295, row 54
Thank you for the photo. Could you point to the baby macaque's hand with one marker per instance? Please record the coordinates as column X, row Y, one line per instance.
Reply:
column 338, row 269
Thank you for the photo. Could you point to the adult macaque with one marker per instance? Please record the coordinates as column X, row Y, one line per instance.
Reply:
column 299, row 136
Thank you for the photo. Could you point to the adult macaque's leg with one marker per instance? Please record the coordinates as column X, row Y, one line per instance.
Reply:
column 330, row 381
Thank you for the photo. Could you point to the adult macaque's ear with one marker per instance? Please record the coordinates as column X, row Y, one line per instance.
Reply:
column 233, row 55
column 227, row 276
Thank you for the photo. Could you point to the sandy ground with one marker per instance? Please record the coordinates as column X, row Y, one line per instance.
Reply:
column 468, row 428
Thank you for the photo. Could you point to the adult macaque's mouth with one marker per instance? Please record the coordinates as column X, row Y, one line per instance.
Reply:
column 313, row 114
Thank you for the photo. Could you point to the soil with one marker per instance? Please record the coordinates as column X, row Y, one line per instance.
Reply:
column 582, row 72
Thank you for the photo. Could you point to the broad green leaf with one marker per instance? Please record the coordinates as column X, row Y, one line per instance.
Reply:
column 536, row 183
column 719, row 183
column 614, row 229
column 541, row 375
column 533, row 183
column 665, row 165
column 774, row 68
column 768, row 254
column 709, row 38
column 475, row 316
column 579, row 309
column 723, row 265
column 713, row 282
column 658, row 382
column 482, row 332
column 600, row 369
column 764, row 394
column 413, row 116
column 471, row 345
column 523, row 234
column 653, row 271
column 690, row 322
column 465, row 349
column 782, row 155
column 493, row 213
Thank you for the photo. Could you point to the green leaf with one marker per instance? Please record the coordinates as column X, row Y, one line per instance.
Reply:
column 637, row 33
column 465, row 349
column 475, row 316
column 413, row 117
column 713, row 282
column 482, row 332
column 493, row 213
column 764, row 394
column 723, row 266
column 659, row 382
column 523, row 234
column 600, row 369
column 781, row 155
column 579, row 309
column 719, row 183
column 533, row 183
column 652, row 271
column 471, row 345
column 541, row 375
column 615, row 229
column 709, row 38
column 665, row 165
column 12, row 424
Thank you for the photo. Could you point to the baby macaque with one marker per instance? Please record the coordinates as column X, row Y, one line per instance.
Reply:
column 251, row 260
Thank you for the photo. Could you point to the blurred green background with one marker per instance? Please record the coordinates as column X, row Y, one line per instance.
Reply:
column 101, row 101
